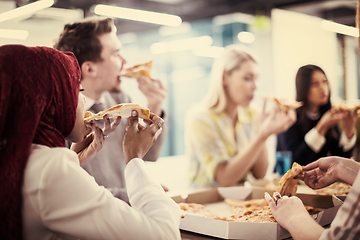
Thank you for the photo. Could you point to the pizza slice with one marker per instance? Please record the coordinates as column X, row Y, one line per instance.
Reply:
column 198, row 210
column 253, row 214
column 123, row 110
column 285, row 104
column 337, row 189
column 137, row 71
column 288, row 184
column 88, row 114
column 238, row 205
column 352, row 106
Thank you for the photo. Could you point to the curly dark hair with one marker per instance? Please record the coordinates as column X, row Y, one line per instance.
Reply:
column 81, row 38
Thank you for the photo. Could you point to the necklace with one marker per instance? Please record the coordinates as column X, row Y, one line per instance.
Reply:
column 313, row 116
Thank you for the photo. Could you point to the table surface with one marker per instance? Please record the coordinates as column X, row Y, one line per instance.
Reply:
column 186, row 235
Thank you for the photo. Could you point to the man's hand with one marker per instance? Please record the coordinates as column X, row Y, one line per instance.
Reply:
column 155, row 92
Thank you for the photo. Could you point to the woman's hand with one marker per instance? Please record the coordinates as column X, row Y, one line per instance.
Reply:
column 329, row 119
column 328, row 170
column 286, row 208
column 277, row 121
column 349, row 122
column 139, row 139
column 291, row 214
column 94, row 141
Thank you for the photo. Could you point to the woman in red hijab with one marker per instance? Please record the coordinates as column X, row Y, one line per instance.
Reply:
column 44, row 193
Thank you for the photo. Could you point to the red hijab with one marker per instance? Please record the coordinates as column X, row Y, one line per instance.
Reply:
column 39, row 89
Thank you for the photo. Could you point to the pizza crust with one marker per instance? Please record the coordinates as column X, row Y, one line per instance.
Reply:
column 137, row 71
column 122, row 110
column 88, row 114
column 288, row 185
column 285, row 104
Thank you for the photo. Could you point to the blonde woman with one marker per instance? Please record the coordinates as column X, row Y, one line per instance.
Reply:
column 225, row 135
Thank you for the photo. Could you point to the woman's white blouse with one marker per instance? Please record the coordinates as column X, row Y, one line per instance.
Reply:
column 62, row 201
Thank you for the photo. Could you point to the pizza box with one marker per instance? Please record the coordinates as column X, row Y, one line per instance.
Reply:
column 213, row 198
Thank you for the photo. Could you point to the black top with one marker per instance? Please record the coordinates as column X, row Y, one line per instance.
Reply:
column 294, row 140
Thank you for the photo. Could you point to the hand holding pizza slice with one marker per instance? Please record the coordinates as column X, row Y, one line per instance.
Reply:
column 284, row 104
column 288, row 184
column 351, row 106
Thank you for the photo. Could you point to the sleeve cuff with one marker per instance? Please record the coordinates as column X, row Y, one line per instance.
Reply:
column 135, row 175
column 346, row 143
column 314, row 140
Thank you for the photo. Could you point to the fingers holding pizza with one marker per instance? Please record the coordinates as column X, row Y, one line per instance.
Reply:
column 91, row 144
column 286, row 209
column 153, row 89
column 327, row 170
column 280, row 118
column 139, row 139
column 351, row 106
column 277, row 121
column 284, row 104
column 95, row 138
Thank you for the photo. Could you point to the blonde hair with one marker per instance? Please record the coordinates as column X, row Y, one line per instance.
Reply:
column 232, row 57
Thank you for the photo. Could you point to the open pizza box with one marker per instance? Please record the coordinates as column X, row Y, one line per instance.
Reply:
column 213, row 199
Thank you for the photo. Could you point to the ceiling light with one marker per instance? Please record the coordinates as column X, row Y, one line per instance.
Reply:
column 167, row 31
column 340, row 28
column 27, row 9
column 14, row 34
column 212, row 52
column 246, row 37
column 181, row 45
column 138, row 15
